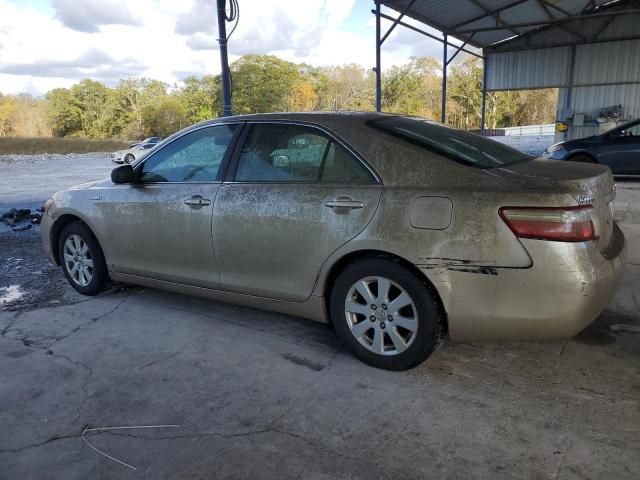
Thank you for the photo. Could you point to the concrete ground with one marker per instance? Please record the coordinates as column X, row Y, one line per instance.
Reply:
column 262, row 395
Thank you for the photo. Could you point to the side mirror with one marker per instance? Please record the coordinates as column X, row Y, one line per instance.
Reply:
column 122, row 174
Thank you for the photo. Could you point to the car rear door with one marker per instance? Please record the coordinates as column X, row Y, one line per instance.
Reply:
column 162, row 224
column 294, row 195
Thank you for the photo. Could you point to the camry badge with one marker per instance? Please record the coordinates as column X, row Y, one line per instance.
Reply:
column 585, row 200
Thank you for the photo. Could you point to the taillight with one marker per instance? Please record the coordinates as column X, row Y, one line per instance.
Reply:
column 560, row 224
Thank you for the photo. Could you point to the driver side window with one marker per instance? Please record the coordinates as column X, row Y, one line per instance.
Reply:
column 194, row 157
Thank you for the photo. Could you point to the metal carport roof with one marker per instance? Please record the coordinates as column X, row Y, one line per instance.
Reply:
column 482, row 23
column 497, row 25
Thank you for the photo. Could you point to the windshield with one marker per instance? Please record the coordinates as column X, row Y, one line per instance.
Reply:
column 463, row 147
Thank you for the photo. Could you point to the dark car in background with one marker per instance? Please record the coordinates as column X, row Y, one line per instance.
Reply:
column 619, row 149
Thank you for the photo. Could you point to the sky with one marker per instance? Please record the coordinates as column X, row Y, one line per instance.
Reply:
column 45, row 44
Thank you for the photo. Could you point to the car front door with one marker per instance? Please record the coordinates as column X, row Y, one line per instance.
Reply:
column 294, row 195
column 621, row 150
column 162, row 224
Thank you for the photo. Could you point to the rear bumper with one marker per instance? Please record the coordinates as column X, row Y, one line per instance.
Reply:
column 567, row 287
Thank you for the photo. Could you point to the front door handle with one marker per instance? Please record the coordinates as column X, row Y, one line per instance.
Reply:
column 197, row 201
column 344, row 203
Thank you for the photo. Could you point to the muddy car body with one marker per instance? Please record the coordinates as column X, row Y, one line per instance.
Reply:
column 475, row 239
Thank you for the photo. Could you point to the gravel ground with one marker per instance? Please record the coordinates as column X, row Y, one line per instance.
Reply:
column 33, row 178
column 27, row 279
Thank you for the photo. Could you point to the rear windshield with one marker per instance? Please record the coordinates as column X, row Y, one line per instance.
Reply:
column 463, row 147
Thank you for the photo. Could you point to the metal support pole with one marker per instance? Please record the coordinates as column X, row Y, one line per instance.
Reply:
column 443, row 114
column 484, row 95
column 378, row 72
column 224, row 59
column 568, row 100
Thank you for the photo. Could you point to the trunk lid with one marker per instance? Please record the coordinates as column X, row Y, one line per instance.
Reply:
column 589, row 184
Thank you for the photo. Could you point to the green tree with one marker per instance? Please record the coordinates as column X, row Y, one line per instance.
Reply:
column 413, row 88
column 64, row 114
column 262, row 83
column 132, row 96
column 347, row 87
column 91, row 99
column 8, row 115
column 198, row 97
column 163, row 117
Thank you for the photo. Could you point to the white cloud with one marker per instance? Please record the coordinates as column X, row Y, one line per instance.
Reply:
column 169, row 40
column 89, row 15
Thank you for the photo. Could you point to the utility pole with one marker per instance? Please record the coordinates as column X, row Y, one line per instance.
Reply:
column 224, row 59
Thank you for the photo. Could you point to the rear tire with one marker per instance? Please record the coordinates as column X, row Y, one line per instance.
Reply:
column 582, row 158
column 81, row 259
column 396, row 324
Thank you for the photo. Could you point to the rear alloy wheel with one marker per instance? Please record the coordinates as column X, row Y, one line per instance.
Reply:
column 82, row 259
column 128, row 158
column 385, row 313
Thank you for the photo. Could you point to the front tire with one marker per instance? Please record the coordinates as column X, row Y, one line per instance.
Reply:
column 81, row 259
column 128, row 158
column 385, row 313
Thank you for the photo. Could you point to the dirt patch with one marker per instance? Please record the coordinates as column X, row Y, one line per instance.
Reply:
column 27, row 279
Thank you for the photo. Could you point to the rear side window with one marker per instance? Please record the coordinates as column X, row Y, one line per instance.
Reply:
column 341, row 166
column 295, row 153
column 460, row 146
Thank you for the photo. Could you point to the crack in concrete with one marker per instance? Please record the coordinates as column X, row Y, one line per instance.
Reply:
column 4, row 331
column 89, row 322
column 38, row 342
column 55, row 438
column 227, row 436
column 24, row 339
column 176, row 353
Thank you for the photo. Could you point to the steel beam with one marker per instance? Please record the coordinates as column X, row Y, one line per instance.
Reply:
column 443, row 113
column 488, row 14
column 459, row 49
column 495, row 15
column 426, row 34
column 484, row 95
column 545, row 22
column 498, row 49
column 378, row 67
column 397, row 21
column 545, row 6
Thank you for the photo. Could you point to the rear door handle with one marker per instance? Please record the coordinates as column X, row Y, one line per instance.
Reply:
column 197, row 201
column 344, row 203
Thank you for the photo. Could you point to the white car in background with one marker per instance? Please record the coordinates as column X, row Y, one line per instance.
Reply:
column 131, row 154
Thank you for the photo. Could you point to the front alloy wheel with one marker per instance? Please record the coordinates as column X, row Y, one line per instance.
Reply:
column 78, row 260
column 82, row 259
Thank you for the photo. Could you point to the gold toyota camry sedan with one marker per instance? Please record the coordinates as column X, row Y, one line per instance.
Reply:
column 396, row 230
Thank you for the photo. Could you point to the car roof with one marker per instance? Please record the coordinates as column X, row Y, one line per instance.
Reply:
column 345, row 117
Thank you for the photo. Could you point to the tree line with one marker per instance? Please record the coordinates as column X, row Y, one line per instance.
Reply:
column 139, row 107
